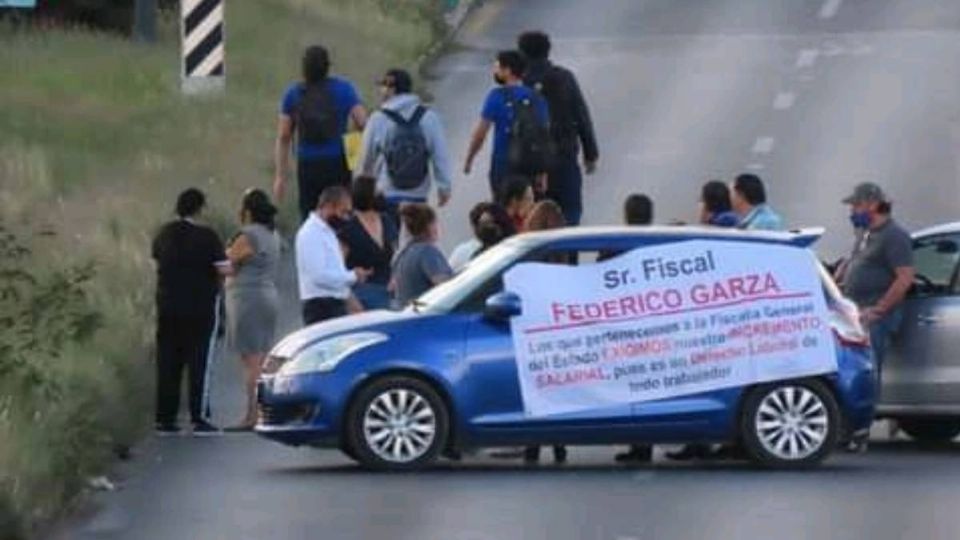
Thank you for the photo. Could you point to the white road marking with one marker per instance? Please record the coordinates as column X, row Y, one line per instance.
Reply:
column 763, row 145
column 784, row 101
column 830, row 8
column 756, row 167
column 807, row 58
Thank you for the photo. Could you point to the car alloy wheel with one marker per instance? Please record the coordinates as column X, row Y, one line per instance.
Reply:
column 396, row 422
column 790, row 424
column 399, row 425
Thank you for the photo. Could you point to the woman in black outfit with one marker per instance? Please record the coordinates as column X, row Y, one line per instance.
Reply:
column 371, row 240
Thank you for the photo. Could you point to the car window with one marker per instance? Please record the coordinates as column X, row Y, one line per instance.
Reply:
column 936, row 261
column 476, row 301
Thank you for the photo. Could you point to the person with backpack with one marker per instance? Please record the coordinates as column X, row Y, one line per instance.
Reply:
column 404, row 147
column 571, row 128
column 521, row 141
column 317, row 110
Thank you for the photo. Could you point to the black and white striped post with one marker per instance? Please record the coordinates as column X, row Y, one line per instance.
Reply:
column 201, row 30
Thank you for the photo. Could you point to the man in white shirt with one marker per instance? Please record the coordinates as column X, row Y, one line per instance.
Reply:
column 324, row 279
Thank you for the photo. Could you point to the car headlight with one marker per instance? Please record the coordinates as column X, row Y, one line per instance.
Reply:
column 324, row 356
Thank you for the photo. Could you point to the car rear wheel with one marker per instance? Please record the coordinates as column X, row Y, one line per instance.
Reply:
column 397, row 423
column 930, row 430
column 790, row 424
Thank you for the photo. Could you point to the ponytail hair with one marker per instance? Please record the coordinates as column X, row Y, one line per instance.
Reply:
column 261, row 210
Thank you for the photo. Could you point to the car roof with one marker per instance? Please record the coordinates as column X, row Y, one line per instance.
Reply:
column 800, row 237
column 944, row 228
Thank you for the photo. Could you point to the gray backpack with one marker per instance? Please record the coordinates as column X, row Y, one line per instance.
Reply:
column 406, row 152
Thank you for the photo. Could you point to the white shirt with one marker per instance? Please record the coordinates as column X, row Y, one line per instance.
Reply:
column 463, row 253
column 320, row 266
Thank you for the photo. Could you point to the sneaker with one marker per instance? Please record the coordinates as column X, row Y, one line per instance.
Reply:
column 205, row 429
column 167, row 429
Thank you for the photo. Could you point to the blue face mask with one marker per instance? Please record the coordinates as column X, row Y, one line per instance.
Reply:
column 860, row 220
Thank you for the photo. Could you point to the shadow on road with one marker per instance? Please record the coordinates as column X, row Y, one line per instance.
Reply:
column 914, row 447
column 447, row 469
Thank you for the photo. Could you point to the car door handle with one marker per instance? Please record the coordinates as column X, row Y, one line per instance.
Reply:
column 929, row 319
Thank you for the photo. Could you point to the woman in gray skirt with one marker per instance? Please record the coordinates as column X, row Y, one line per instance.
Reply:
column 251, row 292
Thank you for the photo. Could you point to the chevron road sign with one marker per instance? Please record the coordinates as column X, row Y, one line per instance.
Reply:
column 202, row 36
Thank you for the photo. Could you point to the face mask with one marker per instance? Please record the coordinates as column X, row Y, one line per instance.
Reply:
column 498, row 79
column 489, row 233
column 860, row 220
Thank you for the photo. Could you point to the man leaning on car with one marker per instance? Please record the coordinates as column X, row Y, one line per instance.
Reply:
column 880, row 271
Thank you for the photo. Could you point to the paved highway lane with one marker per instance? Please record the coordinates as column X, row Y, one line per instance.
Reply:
column 814, row 95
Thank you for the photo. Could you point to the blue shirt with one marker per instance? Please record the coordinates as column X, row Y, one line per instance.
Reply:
column 497, row 111
column 724, row 219
column 345, row 98
column 762, row 218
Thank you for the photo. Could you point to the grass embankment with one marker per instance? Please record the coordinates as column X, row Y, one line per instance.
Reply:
column 96, row 142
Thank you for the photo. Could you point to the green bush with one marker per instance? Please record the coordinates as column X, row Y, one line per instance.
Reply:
column 97, row 141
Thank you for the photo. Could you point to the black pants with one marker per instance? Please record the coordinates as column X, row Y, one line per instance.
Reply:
column 321, row 309
column 565, row 187
column 185, row 340
column 313, row 176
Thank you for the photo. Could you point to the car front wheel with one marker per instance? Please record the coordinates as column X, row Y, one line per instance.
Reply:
column 397, row 423
column 790, row 424
column 930, row 430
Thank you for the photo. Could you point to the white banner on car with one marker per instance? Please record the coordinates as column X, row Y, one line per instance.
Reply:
column 666, row 321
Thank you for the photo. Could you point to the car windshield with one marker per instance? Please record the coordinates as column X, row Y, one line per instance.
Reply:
column 446, row 296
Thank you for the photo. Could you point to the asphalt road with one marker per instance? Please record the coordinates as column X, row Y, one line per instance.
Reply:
column 815, row 95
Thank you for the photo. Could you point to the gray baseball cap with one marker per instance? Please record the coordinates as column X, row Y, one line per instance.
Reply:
column 866, row 192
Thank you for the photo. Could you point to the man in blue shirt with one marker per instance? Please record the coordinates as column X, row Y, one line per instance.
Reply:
column 498, row 112
column 749, row 199
column 318, row 110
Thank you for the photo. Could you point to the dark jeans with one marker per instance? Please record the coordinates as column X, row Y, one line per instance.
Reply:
column 881, row 336
column 565, row 187
column 372, row 295
column 313, row 176
column 322, row 309
column 185, row 341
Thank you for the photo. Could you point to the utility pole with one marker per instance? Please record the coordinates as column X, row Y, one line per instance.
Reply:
column 145, row 21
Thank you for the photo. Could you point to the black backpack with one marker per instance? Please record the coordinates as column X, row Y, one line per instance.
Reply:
column 316, row 119
column 530, row 151
column 550, row 82
column 406, row 151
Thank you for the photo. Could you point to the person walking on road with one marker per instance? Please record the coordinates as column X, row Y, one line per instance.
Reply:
column 544, row 216
column 520, row 120
column 324, row 279
column 371, row 240
column 404, row 146
column 571, row 127
column 317, row 110
column 420, row 265
column 190, row 265
column 880, row 271
column 251, row 293
column 749, row 199
column 638, row 212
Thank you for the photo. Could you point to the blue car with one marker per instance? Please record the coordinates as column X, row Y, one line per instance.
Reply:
column 396, row 390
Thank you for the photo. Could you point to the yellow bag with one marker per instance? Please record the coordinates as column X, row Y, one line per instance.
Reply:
column 352, row 142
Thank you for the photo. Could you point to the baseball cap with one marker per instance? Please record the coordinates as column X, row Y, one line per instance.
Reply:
column 866, row 192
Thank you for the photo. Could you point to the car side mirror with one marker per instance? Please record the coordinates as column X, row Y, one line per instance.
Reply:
column 502, row 307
